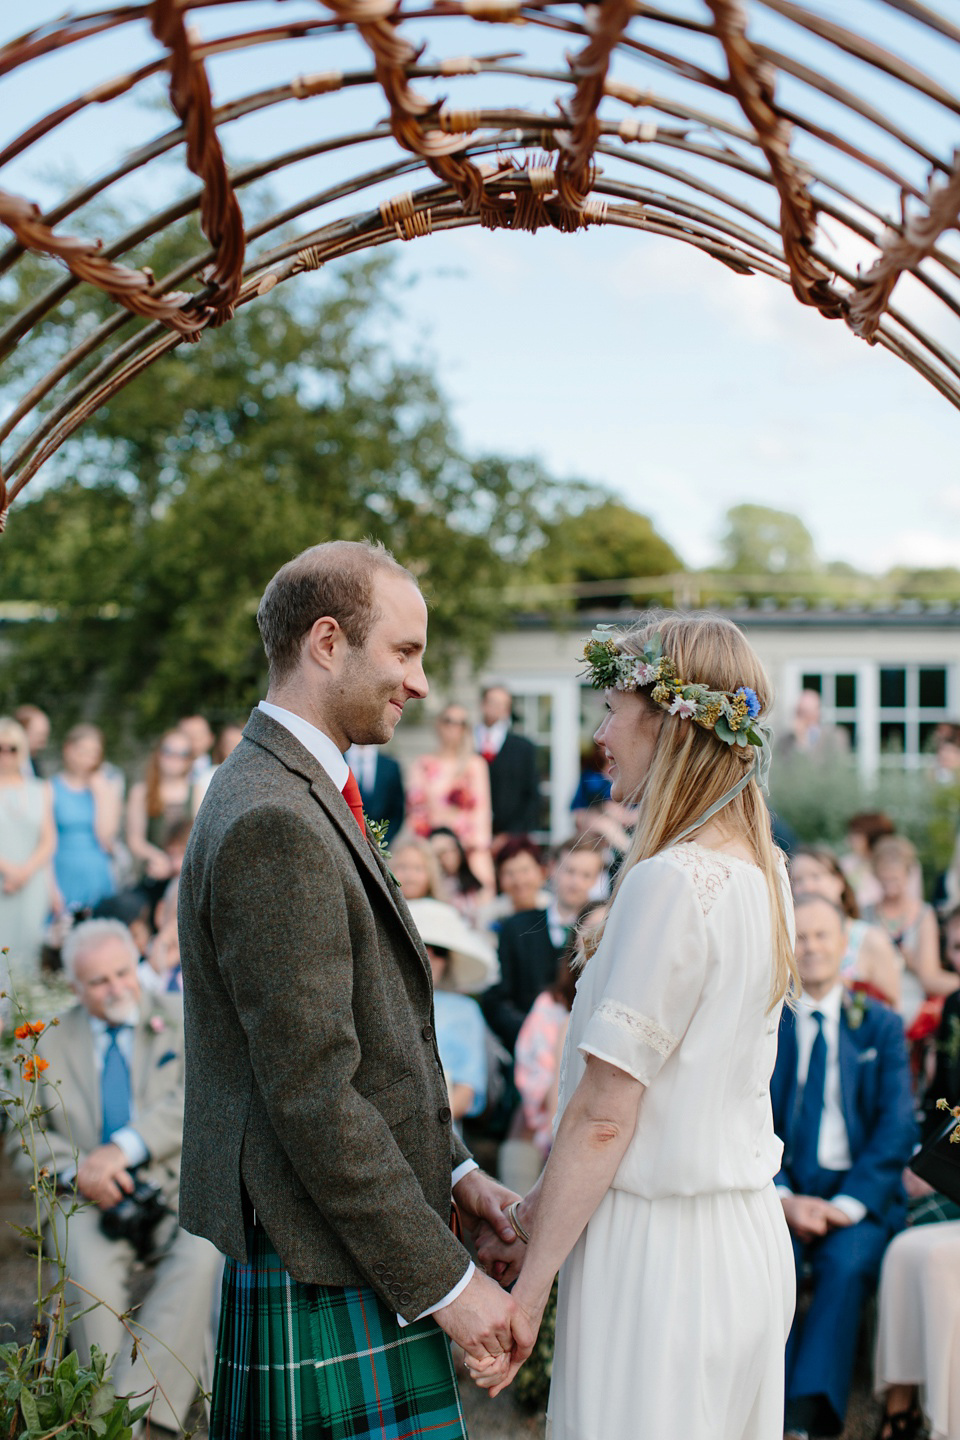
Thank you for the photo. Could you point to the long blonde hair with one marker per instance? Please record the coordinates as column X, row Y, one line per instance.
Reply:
column 691, row 768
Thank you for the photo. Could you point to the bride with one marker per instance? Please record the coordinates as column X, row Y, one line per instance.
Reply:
column 677, row 1287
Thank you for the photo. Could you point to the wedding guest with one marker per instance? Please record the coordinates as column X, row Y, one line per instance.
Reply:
column 36, row 724
column 947, row 753
column 381, row 786
column 114, row 1110
column 843, row 1107
column 536, row 1070
column 86, row 811
column 512, row 758
column 27, row 840
column 227, row 740
column 870, row 958
column 911, row 925
column 863, row 832
column 159, row 971
column 461, row 885
column 417, row 869
column 198, row 732
column 808, row 737
column 532, row 941
column 462, row 965
column 159, row 802
column 521, row 881
column 450, row 789
column 917, row 1371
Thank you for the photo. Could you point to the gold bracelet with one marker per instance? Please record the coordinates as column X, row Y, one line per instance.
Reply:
column 519, row 1231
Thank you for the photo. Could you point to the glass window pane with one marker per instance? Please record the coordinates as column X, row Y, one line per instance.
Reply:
column 893, row 688
column 893, row 737
column 846, row 692
column 933, row 688
column 928, row 736
column 812, row 682
column 851, row 729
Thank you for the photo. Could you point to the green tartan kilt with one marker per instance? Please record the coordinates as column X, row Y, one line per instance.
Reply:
column 297, row 1360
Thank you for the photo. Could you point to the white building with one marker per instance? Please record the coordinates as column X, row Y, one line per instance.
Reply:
column 887, row 676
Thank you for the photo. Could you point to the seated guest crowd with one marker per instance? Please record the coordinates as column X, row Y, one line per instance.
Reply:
column 864, row 1055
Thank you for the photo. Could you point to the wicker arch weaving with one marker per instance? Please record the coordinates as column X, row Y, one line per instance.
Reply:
column 749, row 130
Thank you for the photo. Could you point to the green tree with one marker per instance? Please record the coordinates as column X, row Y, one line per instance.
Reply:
column 761, row 541
column 605, row 540
column 161, row 523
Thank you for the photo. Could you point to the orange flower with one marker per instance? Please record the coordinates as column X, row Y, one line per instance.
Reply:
column 31, row 1030
column 35, row 1067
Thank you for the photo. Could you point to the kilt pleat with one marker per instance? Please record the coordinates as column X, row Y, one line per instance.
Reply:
column 324, row 1362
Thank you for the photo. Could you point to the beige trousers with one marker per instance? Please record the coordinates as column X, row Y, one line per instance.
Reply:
column 173, row 1325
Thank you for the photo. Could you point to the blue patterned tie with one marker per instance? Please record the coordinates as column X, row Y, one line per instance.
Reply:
column 806, row 1167
column 114, row 1086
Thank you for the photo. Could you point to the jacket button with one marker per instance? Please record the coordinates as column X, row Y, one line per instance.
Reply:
column 396, row 1289
column 427, row 1032
column 444, row 1114
column 379, row 1268
column 387, row 1276
column 406, row 1298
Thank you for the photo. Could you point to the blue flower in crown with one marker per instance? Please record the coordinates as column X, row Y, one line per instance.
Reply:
column 751, row 700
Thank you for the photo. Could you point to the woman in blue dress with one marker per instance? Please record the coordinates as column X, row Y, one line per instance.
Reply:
column 86, row 811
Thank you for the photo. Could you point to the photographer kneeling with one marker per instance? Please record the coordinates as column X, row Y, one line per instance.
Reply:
column 112, row 1134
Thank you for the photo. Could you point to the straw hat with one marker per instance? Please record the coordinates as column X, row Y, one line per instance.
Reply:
column 472, row 964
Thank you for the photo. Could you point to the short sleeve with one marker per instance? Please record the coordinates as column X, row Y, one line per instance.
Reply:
column 654, row 950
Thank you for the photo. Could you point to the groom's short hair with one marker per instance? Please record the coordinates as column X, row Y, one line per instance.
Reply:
column 335, row 579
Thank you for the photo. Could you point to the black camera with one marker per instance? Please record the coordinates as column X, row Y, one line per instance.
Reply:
column 136, row 1216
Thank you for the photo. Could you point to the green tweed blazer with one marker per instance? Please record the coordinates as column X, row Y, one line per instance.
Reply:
column 313, row 1079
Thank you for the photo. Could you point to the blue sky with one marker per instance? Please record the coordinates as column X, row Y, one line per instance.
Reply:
column 623, row 358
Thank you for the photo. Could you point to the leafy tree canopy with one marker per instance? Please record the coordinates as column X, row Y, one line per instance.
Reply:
column 604, row 541
column 158, row 527
column 762, row 541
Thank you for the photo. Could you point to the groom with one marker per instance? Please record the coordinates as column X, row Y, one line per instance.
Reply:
column 318, row 1151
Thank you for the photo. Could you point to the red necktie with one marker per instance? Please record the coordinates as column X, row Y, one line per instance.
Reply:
column 351, row 793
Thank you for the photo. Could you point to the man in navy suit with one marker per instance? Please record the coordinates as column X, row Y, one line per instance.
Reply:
column 381, row 786
column 514, row 777
column 842, row 1105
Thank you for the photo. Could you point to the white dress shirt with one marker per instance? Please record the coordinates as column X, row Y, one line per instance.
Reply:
column 328, row 756
column 490, row 738
column 127, row 1138
column 833, row 1143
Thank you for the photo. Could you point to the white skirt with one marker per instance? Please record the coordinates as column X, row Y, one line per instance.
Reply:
column 918, row 1334
column 672, row 1320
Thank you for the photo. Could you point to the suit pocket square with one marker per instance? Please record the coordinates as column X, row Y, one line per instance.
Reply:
column 866, row 1055
column 169, row 1055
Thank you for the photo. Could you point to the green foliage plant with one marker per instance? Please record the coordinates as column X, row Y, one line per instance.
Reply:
column 43, row 1391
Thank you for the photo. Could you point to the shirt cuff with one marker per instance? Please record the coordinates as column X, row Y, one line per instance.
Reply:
column 853, row 1209
column 448, row 1299
column 134, row 1150
column 462, row 1170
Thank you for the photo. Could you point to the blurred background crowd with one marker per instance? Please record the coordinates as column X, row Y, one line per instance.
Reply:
column 502, row 916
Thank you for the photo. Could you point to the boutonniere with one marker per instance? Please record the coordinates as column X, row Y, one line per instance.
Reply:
column 157, row 1024
column 378, row 829
column 855, row 1007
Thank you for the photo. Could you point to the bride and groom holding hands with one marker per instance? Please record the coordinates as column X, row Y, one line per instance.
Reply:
column 318, row 1149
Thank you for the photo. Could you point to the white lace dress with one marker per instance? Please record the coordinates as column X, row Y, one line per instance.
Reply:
column 676, row 1302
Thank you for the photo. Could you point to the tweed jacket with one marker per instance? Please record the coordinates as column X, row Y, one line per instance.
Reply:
column 71, row 1093
column 313, row 1079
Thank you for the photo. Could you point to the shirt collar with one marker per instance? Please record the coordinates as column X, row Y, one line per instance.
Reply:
column 829, row 1005
column 100, row 1026
column 326, row 753
column 492, row 736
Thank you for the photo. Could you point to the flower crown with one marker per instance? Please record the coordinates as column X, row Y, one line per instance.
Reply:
column 730, row 714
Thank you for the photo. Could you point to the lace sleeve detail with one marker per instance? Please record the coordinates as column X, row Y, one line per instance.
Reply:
column 637, row 1026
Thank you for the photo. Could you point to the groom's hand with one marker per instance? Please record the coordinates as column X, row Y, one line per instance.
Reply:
column 480, row 1198
column 495, row 1373
column 481, row 1319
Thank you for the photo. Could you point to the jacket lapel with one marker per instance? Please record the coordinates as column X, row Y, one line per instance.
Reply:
column 272, row 736
column 849, row 1052
column 83, row 1108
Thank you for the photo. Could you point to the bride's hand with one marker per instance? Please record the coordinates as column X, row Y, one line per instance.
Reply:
column 496, row 1372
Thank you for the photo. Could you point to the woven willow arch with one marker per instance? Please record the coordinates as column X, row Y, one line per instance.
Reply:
column 679, row 120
